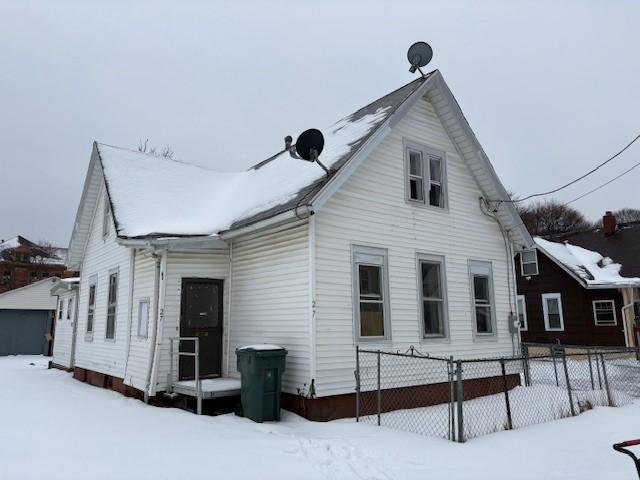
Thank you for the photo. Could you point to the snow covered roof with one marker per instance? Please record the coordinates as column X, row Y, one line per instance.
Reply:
column 38, row 254
column 155, row 196
column 589, row 267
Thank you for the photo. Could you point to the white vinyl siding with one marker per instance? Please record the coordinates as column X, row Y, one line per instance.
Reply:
column 371, row 208
column 604, row 313
column 522, row 313
column 102, row 256
column 270, row 297
column 529, row 262
column 63, row 339
column 552, row 309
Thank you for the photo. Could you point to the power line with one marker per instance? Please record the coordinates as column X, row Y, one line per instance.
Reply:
column 603, row 185
column 579, row 178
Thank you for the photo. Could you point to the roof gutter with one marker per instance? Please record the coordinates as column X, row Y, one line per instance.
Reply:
column 300, row 212
column 174, row 243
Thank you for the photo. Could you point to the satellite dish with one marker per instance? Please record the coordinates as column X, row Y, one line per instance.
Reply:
column 419, row 55
column 310, row 144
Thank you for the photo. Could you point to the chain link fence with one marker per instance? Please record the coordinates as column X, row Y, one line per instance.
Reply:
column 463, row 399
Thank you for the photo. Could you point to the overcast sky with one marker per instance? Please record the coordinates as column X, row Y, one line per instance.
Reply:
column 550, row 89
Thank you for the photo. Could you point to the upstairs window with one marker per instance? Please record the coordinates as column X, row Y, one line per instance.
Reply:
column 604, row 313
column 433, row 298
column 112, row 301
column 106, row 217
column 552, row 309
column 371, row 303
column 529, row 262
column 483, row 299
column 425, row 176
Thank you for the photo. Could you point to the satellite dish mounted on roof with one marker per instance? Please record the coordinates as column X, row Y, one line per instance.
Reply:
column 419, row 55
column 308, row 146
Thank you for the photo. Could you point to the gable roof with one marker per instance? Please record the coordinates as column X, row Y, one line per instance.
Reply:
column 35, row 296
column 157, row 197
column 623, row 246
column 588, row 267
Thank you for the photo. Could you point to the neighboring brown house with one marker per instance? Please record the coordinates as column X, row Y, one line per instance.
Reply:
column 572, row 292
column 23, row 262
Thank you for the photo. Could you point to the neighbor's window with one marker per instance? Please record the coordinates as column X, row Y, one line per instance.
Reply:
column 433, row 296
column 425, row 176
column 604, row 312
column 91, row 309
column 482, row 291
column 370, row 293
column 529, row 262
column 112, row 300
column 552, row 309
column 106, row 217
column 522, row 312
column 69, row 308
column 143, row 318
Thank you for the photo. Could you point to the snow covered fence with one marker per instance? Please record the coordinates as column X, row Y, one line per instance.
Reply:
column 463, row 399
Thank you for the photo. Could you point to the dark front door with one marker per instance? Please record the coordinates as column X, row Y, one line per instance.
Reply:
column 201, row 316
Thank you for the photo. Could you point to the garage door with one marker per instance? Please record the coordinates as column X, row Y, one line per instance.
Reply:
column 23, row 332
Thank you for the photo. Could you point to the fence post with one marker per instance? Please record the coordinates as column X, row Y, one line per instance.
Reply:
column 598, row 370
column 379, row 392
column 566, row 376
column 593, row 386
column 357, row 383
column 555, row 367
column 452, row 393
column 460, row 398
column 506, row 394
column 606, row 381
column 525, row 364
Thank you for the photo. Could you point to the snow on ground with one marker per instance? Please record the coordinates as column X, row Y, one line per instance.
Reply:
column 54, row 427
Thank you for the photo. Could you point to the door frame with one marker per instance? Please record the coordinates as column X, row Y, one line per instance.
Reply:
column 183, row 304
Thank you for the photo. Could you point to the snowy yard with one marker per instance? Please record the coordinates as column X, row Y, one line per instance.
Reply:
column 57, row 428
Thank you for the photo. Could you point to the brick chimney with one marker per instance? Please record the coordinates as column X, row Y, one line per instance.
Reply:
column 609, row 224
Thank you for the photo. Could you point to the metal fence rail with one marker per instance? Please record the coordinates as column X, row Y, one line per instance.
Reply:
column 461, row 399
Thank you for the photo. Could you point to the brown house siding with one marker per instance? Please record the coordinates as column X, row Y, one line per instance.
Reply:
column 577, row 308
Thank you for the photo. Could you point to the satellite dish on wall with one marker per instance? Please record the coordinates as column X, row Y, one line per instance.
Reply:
column 309, row 144
column 419, row 55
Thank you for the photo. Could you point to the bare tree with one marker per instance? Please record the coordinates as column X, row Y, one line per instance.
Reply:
column 165, row 152
column 551, row 217
column 625, row 215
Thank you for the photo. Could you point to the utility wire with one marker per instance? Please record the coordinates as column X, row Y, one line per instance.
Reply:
column 603, row 185
column 579, row 178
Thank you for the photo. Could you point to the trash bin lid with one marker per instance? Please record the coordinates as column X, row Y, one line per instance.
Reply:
column 260, row 347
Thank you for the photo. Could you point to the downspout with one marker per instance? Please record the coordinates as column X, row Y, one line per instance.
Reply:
column 132, row 266
column 312, row 304
column 154, row 330
column 230, row 299
column 628, row 336
column 160, row 323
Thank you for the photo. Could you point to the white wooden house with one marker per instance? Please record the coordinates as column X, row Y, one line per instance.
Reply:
column 384, row 251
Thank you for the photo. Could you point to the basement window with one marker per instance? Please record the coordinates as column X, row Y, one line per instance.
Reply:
column 371, row 298
column 529, row 262
column 112, row 301
column 604, row 313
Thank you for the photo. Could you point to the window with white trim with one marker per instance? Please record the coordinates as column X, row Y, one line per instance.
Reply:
column 106, row 216
column 371, row 302
column 522, row 312
column 91, row 306
column 433, row 302
column 425, row 176
column 60, row 308
column 69, row 308
column 483, row 298
column 143, row 318
column 529, row 262
column 552, row 309
column 112, row 301
column 604, row 313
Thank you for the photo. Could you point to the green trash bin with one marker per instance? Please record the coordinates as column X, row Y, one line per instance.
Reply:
column 261, row 368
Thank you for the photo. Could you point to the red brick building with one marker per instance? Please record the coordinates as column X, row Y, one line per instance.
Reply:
column 23, row 262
